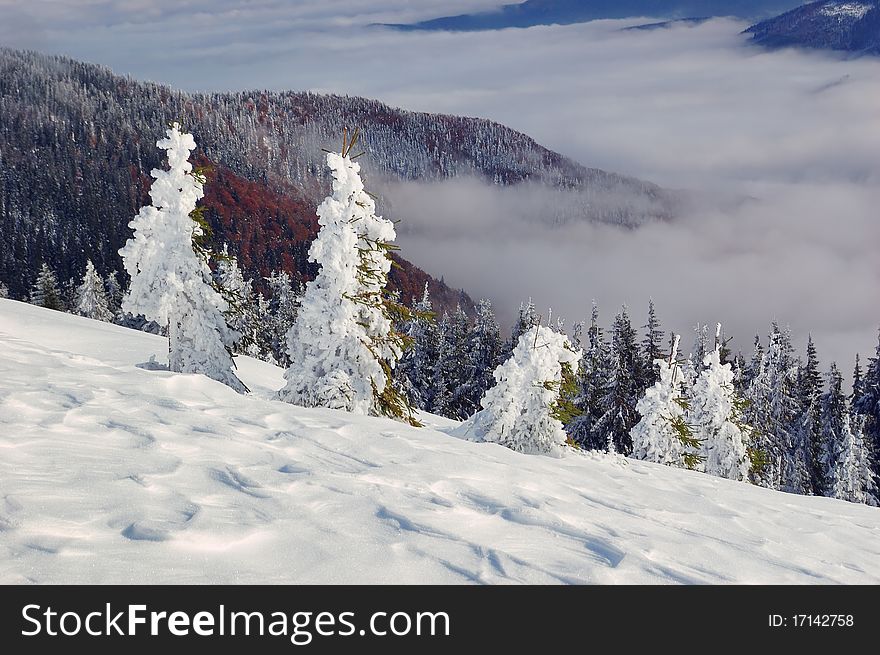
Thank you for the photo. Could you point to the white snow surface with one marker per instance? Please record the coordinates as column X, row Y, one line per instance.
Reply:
column 110, row 473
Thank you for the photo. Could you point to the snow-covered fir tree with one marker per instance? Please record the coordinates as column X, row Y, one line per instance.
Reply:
column 90, row 297
column 239, row 295
column 772, row 411
column 45, row 291
column 4, row 291
column 866, row 404
column 652, row 347
column 170, row 277
column 525, row 409
column 452, row 370
column 284, row 302
column 418, row 363
column 343, row 347
column 113, row 290
column 716, row 415
column 843, row 454
column 808, row 424
column 662, row 435
column 618, row 406
column 484, row 351
column 594, row 375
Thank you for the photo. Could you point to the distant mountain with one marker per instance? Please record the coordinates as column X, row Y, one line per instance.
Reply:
column 829, row 24
column 77, row 144
column 566, row 12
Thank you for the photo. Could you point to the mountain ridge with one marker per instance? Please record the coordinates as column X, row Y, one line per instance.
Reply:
column 78, row 143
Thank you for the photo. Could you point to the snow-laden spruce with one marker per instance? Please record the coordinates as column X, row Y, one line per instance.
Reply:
column 170, row 281
column 91, row 298
column 45, row 291
column 342, row 347
column 715, row 416
column 662, row 435
column 522, row 410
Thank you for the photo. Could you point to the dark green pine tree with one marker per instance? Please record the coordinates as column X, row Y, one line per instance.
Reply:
column 594, row 374
column 415, row 370
column 809, row 422
column 45, row 292
column 867, row 407
column 453, row 368
column 619, row 404
column 652, row 348
column 484, row 350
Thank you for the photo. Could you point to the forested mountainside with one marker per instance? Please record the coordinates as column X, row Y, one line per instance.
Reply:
column 77, row 143
column 564, row 12
column 829, row 25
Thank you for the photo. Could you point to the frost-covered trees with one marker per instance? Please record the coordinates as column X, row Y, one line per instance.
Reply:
column 716, row 417
column 652, row 347
column 417, row 366
column 343, row 347
column 843, row 454
column 170, row 278
column 866, row 404
column 45, row 291
column 772, row 410
column 484, row 352
column 90, row 297
column 283, row 308
column 523, row 411
column 593, row 377
column 4, row 291
column 452, row 369
column 619, row 414
column 662, row 435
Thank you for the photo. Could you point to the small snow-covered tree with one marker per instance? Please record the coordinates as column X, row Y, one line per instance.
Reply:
column 662, row 435
column 4, row 290
column 170, row 276
column 45, row 292
column 418, row 363
column 716, row 416
column 91, row 299
column 853, row 478
column 238, row 294
column 283, row 308
column 453, row 368
column 594, row 375
column 114, row 294
column 343, row 347
column 526, row 408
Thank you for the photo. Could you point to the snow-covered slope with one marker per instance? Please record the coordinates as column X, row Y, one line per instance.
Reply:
column 111, row 473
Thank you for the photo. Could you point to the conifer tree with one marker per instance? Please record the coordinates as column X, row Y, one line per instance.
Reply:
column 343, row 347
column 716, row 414
column 619, row 414
column 530, row 401
column 843, row 453
column 283, row 308
column 484, row 352
column 772, row 412
column 809, row 424
column 45, row 291
column 526, row 319
column 91, row 299
column 594, row 375
column 867, row 406
column 171, row 282
column 4, row 291
column 652, row 347
column 417, row 366
column 662, row 435
column 453, row 368
column 113, row 291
